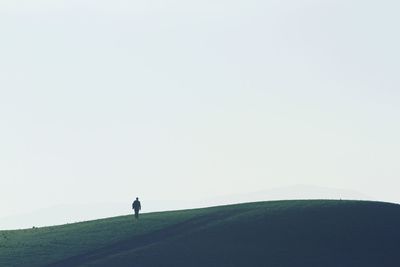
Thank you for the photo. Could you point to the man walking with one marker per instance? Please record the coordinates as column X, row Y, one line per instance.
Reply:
column 136, row 207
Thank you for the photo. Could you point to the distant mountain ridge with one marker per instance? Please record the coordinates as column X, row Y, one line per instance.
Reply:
column 70, row 213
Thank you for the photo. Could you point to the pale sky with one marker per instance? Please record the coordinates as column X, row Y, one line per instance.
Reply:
column 101, row 101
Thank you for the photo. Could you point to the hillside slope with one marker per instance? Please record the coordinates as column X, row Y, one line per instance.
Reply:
column 279, row 233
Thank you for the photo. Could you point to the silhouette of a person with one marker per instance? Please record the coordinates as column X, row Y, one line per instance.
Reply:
column 136, row 207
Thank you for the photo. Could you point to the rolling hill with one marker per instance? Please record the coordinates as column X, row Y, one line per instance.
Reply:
column 329, row 233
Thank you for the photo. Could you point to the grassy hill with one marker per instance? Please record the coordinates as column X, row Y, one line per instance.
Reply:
column 278, row 234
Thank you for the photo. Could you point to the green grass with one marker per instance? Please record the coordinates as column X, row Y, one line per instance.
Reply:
column 277, row 233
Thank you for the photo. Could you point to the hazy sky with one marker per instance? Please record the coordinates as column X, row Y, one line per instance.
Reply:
column 101, row 101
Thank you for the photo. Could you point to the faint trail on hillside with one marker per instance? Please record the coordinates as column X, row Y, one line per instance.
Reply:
column 137, row 242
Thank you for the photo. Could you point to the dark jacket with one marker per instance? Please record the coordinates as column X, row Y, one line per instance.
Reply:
column 136, row 205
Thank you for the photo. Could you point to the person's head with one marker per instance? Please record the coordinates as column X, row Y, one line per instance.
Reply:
column 137, row 198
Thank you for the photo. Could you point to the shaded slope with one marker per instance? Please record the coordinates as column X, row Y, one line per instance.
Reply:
column 144, row 240
column 278, row 233
column 303, row 233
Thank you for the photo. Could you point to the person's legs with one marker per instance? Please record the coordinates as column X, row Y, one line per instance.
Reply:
column 136, row 214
